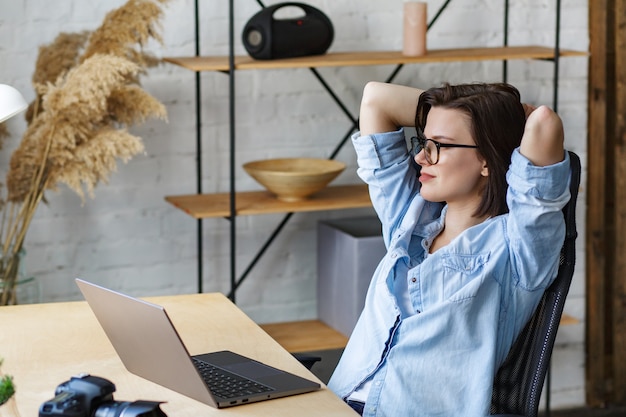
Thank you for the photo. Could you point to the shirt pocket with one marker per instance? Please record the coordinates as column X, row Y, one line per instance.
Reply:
column 462, row 275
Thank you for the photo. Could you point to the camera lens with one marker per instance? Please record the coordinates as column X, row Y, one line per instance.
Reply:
column 111, row 409
column 128, row 409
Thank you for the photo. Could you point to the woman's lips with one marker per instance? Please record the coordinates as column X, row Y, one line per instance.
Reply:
column 425, row 177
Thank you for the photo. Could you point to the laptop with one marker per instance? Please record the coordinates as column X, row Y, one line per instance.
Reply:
column 146, row 341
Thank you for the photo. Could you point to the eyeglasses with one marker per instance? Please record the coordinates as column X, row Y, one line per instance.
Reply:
column 431, row 147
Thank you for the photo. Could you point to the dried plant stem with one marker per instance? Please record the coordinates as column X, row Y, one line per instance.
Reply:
column 18, row 227
column 6, row 214
column 29, row 205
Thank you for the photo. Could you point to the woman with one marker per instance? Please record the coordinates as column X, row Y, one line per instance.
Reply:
column 473, row 231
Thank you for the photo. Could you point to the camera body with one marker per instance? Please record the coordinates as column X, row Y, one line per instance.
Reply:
column 86, row 395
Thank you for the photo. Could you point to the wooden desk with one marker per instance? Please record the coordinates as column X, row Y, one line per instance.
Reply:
column 43, row 345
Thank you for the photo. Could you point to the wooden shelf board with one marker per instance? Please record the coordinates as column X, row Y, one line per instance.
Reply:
column 342, row 59
column 305, row 336
column 567, row 320
column 338, row 197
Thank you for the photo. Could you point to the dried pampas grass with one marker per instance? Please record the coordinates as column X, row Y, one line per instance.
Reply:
column 54, row 61
column 127, row 29
column 76, row 121
column 97, row 158
column 88, row 96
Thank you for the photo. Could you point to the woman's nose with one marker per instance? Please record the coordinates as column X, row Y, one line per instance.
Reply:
column 420, row 158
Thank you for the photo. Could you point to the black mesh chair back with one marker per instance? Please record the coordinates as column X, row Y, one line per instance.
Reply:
column 519, row 381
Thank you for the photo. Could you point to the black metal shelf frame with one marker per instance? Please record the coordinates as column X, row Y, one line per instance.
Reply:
column 235, row 282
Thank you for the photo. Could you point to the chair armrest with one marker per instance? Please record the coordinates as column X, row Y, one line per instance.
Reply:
column 307, row 360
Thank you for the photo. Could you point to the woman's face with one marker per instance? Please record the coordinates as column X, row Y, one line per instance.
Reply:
column 460, row 174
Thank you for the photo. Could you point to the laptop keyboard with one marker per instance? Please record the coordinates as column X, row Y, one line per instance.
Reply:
column 226, row 384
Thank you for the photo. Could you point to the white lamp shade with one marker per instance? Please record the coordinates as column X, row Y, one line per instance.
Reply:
column 11, row 102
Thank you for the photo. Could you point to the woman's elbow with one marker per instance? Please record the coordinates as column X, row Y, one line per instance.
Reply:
column 543, row 138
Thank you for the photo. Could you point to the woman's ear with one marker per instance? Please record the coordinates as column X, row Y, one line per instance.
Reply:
column 485, row 170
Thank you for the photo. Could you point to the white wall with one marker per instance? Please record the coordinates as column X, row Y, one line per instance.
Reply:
column 129, row 238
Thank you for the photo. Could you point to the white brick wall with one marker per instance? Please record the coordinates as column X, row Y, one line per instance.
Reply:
column 129, row 238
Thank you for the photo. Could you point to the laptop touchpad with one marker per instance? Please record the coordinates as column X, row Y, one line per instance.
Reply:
column 252, row 369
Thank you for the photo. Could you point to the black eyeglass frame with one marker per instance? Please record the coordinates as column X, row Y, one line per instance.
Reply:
column 419, row 142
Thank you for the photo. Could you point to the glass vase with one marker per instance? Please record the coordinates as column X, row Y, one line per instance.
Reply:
column 15, row 286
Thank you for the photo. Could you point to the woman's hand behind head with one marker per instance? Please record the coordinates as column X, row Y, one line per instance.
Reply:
column 542, row 142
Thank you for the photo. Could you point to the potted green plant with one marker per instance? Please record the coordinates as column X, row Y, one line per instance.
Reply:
column 7, row 389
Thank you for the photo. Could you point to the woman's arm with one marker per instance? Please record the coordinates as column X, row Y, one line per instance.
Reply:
column 538, row 190
column 386, row 107
column 382, row 153
column 542, row 142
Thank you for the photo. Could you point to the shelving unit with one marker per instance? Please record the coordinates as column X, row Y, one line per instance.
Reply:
column 235, row 203
column 248, row 203
column 201, row 206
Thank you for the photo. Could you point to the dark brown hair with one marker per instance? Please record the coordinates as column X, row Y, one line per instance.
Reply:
column 497, row 118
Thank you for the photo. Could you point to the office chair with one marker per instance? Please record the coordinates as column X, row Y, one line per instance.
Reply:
column 519, row 381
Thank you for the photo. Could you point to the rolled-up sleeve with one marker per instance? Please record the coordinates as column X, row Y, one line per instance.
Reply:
column 380, row 150
column 536, row 196
column 384, row 164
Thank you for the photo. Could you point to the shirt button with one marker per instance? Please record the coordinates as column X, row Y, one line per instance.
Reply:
column 413, row 279
column 394, row 256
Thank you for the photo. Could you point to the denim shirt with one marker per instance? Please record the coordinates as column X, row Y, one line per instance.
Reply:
column 470, row 299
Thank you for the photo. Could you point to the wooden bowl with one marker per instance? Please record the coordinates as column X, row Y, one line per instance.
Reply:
column 294, row 179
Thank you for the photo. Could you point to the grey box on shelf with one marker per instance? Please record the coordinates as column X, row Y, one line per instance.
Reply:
column 348, row 252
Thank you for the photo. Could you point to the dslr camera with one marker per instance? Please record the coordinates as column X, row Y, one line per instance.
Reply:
column 86, row 396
